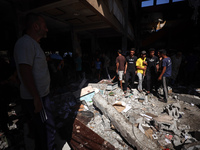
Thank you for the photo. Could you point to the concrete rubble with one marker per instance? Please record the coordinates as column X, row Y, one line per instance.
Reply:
column 3, row 141
column 137, row 120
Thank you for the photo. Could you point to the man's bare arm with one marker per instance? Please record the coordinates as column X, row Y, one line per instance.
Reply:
column 125, row 68
column 157, row 67
column 163, row 71
column 141, row 68
column 117, row 66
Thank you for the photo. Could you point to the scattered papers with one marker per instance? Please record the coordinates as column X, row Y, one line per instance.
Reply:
column 121, row 106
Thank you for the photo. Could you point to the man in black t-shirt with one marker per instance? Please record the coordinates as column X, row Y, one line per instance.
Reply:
column 130, row 69
column 151, row 74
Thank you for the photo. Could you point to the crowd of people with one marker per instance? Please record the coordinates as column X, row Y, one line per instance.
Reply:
column 145, row 68
column 154, row 71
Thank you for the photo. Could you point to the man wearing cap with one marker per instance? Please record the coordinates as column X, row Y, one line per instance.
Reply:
column 152, row 65
column 120, row 66
column 141, row 69
column 130, row 68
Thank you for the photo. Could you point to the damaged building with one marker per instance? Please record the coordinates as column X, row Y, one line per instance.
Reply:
column 95, row 113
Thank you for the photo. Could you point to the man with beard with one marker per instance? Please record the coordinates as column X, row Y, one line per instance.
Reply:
column 34, row 75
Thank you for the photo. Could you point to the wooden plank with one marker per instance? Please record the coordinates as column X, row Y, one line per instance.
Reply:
column 84, row 138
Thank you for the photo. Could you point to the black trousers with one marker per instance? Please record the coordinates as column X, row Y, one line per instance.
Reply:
column 151, row 80
column 44, row 132
column 165, row 81
column 129, row 73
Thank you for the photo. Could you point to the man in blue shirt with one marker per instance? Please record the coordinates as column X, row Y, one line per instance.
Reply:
column 166, row 73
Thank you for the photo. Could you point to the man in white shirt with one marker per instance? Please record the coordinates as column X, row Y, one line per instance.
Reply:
column 35, row 81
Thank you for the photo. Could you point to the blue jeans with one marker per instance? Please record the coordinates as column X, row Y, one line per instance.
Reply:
column 44, row 132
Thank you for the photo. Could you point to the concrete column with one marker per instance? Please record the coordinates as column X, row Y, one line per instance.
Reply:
column 127, row 130
column 154, row 3
column 170, row 40
column 93, row 43
column 76, row 43
column 125, row 26
column 136, row 24
column 124, row 43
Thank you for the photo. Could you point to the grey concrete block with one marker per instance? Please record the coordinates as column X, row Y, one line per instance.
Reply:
column 122, row 125
column 189, row 98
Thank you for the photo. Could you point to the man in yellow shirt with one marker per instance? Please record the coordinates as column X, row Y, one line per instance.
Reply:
column 141, row 69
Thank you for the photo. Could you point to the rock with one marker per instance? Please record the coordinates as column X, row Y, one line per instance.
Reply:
column 132, row 119
column 183, row 127
column 173, row 110
column 106, row 122
column 98, row 120
column 193, row 146
column 176, row 140
column 189, row 98
column 140, row 120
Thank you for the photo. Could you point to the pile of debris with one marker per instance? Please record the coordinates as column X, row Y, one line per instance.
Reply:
column 137, row 120
column 11, row 135
column 3, row 141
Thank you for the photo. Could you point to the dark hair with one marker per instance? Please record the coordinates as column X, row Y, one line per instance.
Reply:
column 119, row 51
column 163, row 51
column 30, row 19
column 152, row 49
column 132, row 49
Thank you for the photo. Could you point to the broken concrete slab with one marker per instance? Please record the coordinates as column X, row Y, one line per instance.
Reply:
column 193, row 146
column 189, row 98
column 106, row 122
column 98, row 86
column 173, row 110
column 164, row 119
column 122, row 125
column 110, row 85
column 176, row 140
